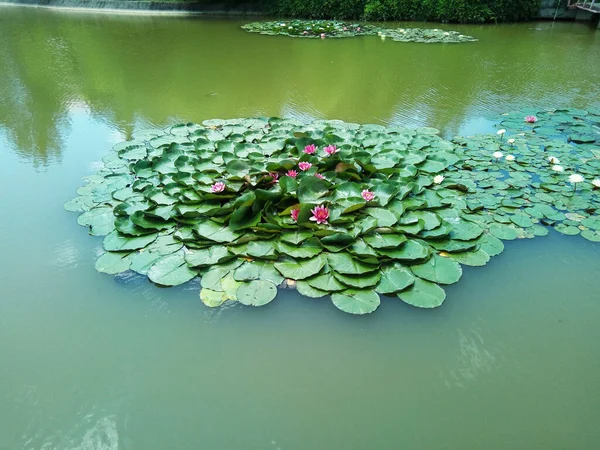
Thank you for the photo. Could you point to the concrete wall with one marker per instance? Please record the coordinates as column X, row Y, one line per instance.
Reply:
column 206, row 7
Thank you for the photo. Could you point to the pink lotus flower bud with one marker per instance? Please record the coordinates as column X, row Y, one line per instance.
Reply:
column 218, row 187
column 367, row 195
column 330, row 150
column 531, row 119
column 320, row 214
column 304, row 165
column 310, row 149
column 295, row 213
column 292, row 173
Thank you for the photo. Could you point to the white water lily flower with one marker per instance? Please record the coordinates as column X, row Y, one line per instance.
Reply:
column 497, row 155
column 383, row 37
column 511, row 141
column 438, row 179
column 290, row 28
column 596, row 182
column 576, row 178
column 510, row 157
column 282, row 24
column 553, row 160
column 558, row 168
column 501, row 132
column 446, row 34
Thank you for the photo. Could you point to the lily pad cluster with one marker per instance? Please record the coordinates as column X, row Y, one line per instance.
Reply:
column 539, row 170
column 335, row 29
column 332, row 208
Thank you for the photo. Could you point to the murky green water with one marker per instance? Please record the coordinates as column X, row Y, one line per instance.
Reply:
column 93, row 362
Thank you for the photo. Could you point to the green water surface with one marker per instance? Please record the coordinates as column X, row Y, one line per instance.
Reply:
column 94, row 362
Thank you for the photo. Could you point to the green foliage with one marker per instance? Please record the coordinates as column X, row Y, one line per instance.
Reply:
column 458, row 11
column 214, row 201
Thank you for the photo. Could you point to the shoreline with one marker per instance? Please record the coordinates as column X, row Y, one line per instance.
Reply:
column 194, row 8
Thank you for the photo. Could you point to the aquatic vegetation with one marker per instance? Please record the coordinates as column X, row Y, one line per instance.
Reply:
column 368, row 210
column 335, row 29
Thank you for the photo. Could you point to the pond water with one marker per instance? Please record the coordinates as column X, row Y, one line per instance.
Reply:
column 94, row 362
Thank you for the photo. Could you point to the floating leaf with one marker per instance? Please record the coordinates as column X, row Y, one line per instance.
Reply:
column 256, row 293
column 344, row 263
column 211, row 298
column 299, row 270
column 359, row 281
column 394, row 279
column 116, row 243
column 423, row 294
column 207, row 256
column 356, row 301
column 113, row 263
column 171, row 270
column 438, row 270
column 326, row 282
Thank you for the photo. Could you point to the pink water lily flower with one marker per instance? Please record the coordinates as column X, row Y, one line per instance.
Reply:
column 358, row 29
column 305, row 32
column 322, row 35
column 330, row 150
column 320, row 214
column 345, row 29
column 295, row 213
column 218, row 187
column 292, row 173
column 304, row 165
column 367, row 195
column 531, row 119
column 275, row 176
column 319, row 175
column 310, row 149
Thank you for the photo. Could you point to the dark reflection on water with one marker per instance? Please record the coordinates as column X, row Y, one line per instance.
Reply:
column 138, row 71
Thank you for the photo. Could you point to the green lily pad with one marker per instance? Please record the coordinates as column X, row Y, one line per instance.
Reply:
column 394, row 279
column 356, row 301
column 423, row 294
column 211, row 298
column 113, row 263
column 256, row 293
column 438, row 270
column 344, row 263
column 299, row 270
column 171, row 270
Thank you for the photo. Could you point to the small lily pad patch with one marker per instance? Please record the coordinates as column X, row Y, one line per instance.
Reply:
column 334, row 29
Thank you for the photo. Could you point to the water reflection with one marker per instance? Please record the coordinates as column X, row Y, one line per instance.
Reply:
column 473, row 358
column 139, row 71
